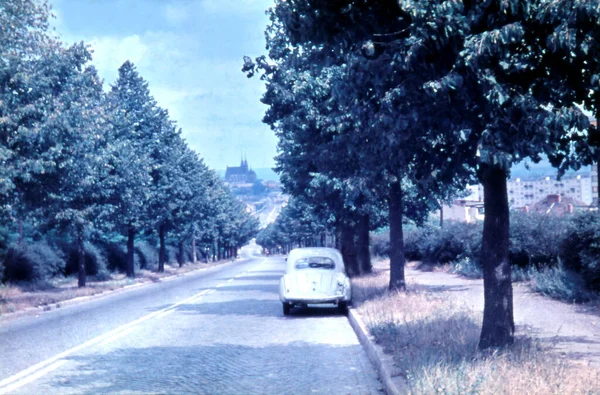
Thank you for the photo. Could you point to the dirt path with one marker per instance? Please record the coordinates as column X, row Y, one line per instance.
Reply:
column 573, row 329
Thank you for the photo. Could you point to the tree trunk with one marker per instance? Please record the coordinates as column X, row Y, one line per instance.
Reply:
column 81, row 259
column 130, row 239
column 498, row 323
column 194, row 258
column 363, row 253
column 180, row 257
column 219, row 253
column 397, row 280
column 442, row 215
column 162, row 252
column 349, row 250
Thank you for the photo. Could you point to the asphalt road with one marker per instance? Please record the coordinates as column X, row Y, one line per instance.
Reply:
column 219, row 331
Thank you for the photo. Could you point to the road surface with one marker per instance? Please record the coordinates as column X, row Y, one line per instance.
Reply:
column 219, row 331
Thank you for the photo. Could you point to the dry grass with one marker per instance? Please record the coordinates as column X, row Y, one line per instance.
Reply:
column 18, row 297
column 434, row 344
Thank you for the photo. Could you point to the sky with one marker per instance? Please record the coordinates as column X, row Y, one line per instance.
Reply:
column 190, row 52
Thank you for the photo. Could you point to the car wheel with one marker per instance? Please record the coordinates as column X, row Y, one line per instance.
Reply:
column 286, row 309
column 343, row 307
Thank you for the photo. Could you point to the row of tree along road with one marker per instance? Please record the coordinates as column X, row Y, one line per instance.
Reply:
column 383, row 109
column 84, row 170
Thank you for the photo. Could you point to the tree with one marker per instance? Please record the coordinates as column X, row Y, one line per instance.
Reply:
column 134, row 118
column 72, row 191
column 23, row 41
column 373, row 112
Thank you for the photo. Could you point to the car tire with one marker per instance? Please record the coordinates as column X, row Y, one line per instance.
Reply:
column 286, row 309
column 343, row 307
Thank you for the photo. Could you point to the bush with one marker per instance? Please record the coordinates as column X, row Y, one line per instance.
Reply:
column 171, row 258
column 561, row 284
column 95, row 262
column 468, row 267
column 116, row 256
column 380, row 244
column 147, row 256
column 451, row 243
column 34, row 262
column 580, row 250
column 535, row 239
column 413, row 241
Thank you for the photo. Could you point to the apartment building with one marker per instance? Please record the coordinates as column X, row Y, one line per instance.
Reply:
column 526, row 192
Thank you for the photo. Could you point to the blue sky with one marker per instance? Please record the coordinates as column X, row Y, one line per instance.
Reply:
column 190, row 52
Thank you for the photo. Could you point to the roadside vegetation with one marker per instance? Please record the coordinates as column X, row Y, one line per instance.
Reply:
column 96, row 182
column 434, row 342
column 558, row 256
column 23, row 295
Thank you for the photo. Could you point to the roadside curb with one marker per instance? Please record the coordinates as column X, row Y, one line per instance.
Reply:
column 383, row 363
column 30, row 311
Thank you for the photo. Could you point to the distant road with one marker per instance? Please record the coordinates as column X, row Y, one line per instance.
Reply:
column 219, row 331
column 269, row 212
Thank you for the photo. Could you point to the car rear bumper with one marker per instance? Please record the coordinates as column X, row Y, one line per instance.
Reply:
column 297, row 299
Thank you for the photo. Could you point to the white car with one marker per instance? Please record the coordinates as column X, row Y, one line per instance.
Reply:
column 315, row 275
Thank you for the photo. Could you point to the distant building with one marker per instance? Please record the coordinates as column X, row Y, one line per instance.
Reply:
column 556, row 205
column 464, row 210
column 241, row 174
column 526, row 192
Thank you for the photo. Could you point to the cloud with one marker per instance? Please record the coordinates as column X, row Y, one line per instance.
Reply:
column 192, row 63
column 109, row 53
column 177, row 14
column 216, row 106
column 239, row 7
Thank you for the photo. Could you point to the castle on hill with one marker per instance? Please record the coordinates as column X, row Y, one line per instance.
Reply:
column 241, row 174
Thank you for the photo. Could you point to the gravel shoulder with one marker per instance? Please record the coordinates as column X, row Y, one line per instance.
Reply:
column 573, row 330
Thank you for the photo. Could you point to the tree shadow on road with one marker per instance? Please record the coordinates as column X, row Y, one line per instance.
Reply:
column 257, row 307
column 296, row 367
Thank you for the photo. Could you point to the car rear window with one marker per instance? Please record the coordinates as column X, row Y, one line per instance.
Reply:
column 315, row 262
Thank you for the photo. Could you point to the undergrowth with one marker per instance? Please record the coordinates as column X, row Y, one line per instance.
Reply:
column 434, row 342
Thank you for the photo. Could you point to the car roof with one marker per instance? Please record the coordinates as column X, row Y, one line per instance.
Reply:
column 326, row 252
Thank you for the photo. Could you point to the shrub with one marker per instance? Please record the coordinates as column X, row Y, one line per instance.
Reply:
column 171, row 258
column 380, row 244
column 147, row 255
column 451, row 243
column 561, row 284
column 116, row 256
column 535, row 239
column 468, row 267
column 413, row 240
column 580, row 250
column 34, row 262
column 95, row 262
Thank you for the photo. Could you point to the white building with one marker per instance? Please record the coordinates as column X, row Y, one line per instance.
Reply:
column 463, row 210
column 525, row 192
column 595, row 183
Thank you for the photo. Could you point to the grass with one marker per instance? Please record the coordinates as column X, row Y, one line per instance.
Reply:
column 21, row 296
column 561, row 284
column 434, row 344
